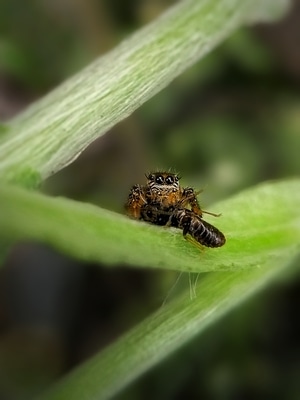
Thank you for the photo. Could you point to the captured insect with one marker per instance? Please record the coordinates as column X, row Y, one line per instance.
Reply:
column 162, row 201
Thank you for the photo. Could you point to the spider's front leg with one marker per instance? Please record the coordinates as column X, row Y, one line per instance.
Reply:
column 135, row 201
column 189, row 197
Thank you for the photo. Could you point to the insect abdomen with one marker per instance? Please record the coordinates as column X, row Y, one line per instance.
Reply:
column 206, row 234
column 203, row 232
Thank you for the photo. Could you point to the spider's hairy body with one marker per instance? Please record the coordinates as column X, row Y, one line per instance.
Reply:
column 162, row 201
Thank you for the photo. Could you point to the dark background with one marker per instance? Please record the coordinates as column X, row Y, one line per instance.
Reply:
column 225, row 124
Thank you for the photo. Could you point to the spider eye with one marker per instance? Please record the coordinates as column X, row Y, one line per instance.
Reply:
column 151, row 177
column 159, row 180
column 169, row 180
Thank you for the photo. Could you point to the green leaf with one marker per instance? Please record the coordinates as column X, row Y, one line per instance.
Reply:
column 111, row 370
column 3, row 129
column 53, row 131
column 260, row 224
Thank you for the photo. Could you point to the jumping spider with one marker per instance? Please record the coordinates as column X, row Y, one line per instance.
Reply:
column 162, row 201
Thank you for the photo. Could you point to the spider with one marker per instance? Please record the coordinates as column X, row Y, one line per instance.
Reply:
column 162, row 201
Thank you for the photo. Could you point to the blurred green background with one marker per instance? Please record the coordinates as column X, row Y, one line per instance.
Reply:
column 229, row 122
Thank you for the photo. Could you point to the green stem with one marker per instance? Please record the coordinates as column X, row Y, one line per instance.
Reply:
column 53, row 131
